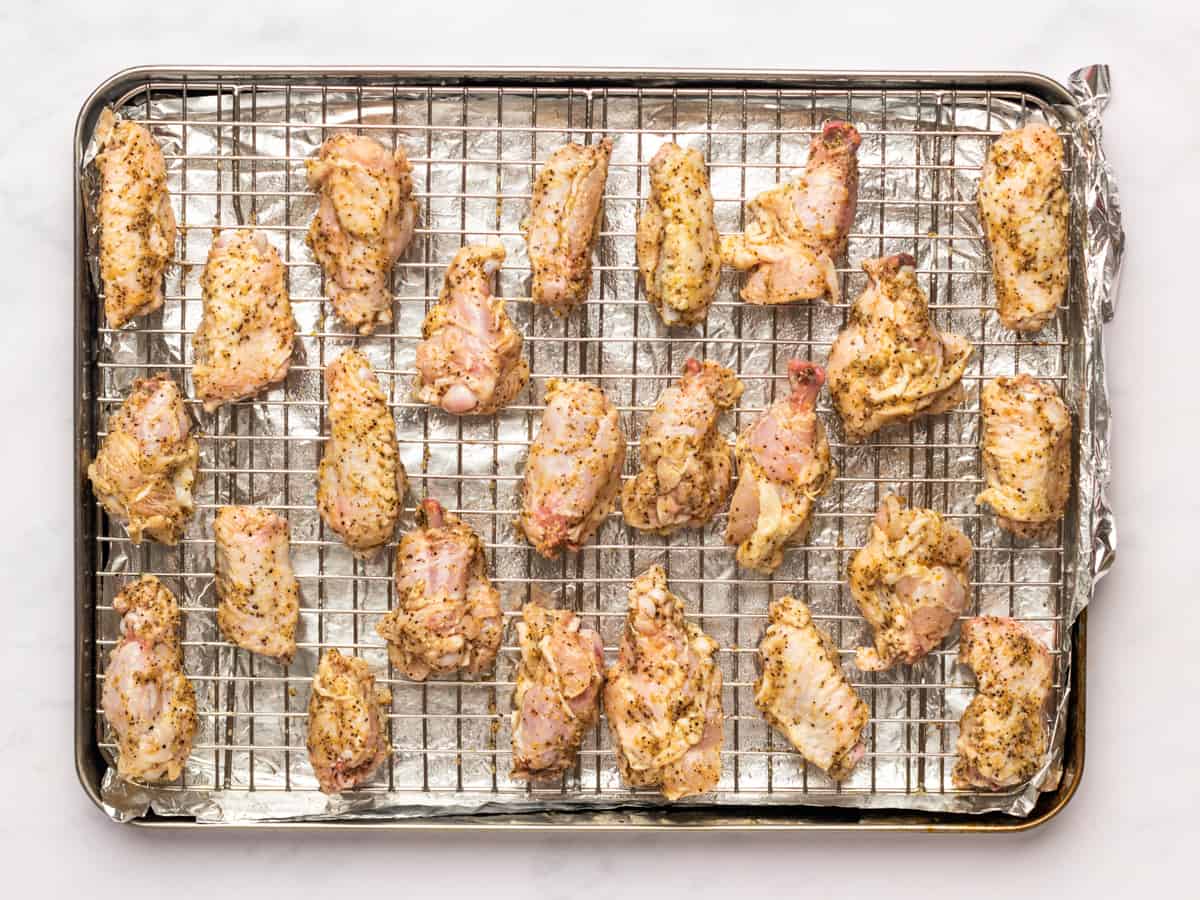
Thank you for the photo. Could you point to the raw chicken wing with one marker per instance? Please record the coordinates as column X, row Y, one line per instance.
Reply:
column 1024, row 207
column 663, row 695
column 1002, row 737
column 244, row 340
column 260, row 599
column 469, row 361
column 347, row 739
column 361, row 481
column 1026, row 454
column 687, row 466
column 447, row 615
column 910, row 581
column 783, row 466
column 147, row 700
column 362, row 226
column 890, row 364
column 144, row 472
column 798, row 229
column 803, row 692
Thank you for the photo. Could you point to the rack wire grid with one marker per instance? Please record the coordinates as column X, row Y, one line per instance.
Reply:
column 235, row 151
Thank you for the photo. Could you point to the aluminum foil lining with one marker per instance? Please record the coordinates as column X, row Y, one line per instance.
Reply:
column 920, row 161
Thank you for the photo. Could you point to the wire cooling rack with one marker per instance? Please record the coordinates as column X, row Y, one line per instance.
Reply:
column 235, row 150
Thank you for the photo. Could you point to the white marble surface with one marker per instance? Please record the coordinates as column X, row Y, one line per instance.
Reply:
column 1135, row 816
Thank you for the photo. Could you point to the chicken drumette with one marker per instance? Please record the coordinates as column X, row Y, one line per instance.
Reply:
column 447, row 615
column 890, row 364
column 469, row 361
column 347, row 737
column 687, row 466
column 663, row 695
column 910, row 581
column 783, row 466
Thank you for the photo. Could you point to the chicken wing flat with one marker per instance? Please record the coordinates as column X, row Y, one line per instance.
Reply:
column 1026, row 454
column 890, row 364
column 469, row 360
column 347, row 737
column 448, row 614
column 798, row 229
column 783, row 466
column 678, row 247
column 803, row 692
column 147, row 700
column 574, row 468
column 363, row 224
column 1002, row 737
column 137, row 225
column 260, row 598
column 557, row 696
column 687, row 466
column 910, row 581
column 663, row 695
column 1024, row 208
column 244, row 340
column 361, row 481
column 564, row 222
column 144, row 472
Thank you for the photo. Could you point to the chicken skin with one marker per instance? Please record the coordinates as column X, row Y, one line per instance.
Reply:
column 574, row 468
column 244, row 340
column 663, row 695
column 783, row 466
column 798, row 229
column 448, row 614
column 1002, row 737
column 564, row 222
column 260, row 598
column 678, row 247
column 1026, row 455
column 469, row 361
column 890, row 364
column 687, row 466
column 347, row 739
column 1024, row 209
column 363, row 224
column 361, row 481
column 558, row 691
column 137, row 225
column 146, row 467
column 910, row 581
column 147, row 700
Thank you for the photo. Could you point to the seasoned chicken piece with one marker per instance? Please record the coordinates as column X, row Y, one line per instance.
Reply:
column 447, row 615
column 678, row 248
column 361, row 481
column 1026, row 454
column 469, row 361
column 687, row 466
column 564, row 222
column 574, row 468
column 347, row 738
column 783, row 466
column 244, row 340
column 798, row 229
column 260, row 598
column 144, row 472
column 147, row 700
column 1024, row 208
column 558, row 691
column 137, row 226
column 362, row 226
column 803, row 692
column 910, row 581
column 890, row 364
column 663, row 695
column 1002, row 737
